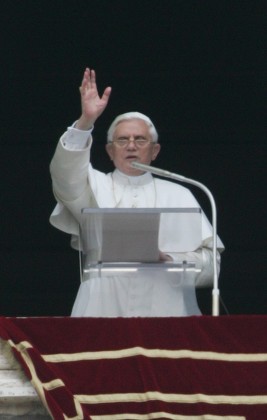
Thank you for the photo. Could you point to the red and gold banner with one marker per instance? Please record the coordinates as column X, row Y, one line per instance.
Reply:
column 195, row 368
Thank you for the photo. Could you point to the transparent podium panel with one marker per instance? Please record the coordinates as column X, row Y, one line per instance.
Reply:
column 127, row 242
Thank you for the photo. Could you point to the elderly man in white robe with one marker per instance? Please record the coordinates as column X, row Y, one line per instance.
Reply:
column 77, row 185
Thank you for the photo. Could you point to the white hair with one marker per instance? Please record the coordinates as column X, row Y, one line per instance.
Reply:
column 132, row 116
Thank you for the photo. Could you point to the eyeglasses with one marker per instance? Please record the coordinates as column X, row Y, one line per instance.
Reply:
column 125, row 141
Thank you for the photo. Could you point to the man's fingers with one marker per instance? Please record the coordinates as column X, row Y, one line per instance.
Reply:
column 84, row 84
column 106, row 94
column 88, row 81
column 89, row 88
column 92, row 77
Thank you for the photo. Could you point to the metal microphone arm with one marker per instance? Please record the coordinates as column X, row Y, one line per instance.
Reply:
column 167, row 174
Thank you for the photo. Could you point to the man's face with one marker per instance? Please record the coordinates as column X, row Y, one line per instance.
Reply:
column 123, row 155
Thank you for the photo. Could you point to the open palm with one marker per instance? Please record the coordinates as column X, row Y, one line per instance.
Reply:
column 92, row 104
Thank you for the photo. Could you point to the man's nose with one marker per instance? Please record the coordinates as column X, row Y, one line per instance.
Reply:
column 131, row 143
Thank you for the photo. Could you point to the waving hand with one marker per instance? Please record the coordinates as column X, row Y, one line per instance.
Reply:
column 91, row 103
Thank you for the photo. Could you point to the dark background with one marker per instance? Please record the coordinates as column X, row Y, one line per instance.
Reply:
column 197, row 68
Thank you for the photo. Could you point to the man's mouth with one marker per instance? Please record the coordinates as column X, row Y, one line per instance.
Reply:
column 131, row 157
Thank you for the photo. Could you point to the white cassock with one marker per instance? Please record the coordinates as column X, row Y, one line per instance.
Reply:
column 148, row 293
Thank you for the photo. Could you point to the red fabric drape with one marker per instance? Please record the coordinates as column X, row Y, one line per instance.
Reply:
column 138, row 368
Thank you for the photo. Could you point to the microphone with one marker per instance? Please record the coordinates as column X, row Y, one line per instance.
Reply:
column 167, row 174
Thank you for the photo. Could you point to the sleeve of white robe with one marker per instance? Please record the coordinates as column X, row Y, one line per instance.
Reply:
column 203, row 260
column 69, row 172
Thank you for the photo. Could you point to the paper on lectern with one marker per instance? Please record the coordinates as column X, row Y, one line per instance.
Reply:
column 130, row 237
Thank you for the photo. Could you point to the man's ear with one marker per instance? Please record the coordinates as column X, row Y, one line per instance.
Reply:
column 156, row 150
column 109, row 150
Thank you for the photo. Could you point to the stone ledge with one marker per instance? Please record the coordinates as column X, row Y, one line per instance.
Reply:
column 18, row 398
column 25, row 417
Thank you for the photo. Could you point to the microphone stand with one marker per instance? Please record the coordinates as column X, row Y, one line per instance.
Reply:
column 167, row 174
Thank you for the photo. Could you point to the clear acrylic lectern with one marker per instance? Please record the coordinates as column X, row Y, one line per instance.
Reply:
column 123, row 240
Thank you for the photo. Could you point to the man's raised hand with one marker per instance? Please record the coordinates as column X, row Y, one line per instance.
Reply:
column 91, row 103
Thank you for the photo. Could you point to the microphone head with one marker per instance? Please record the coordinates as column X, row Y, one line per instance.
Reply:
column 138, row 165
